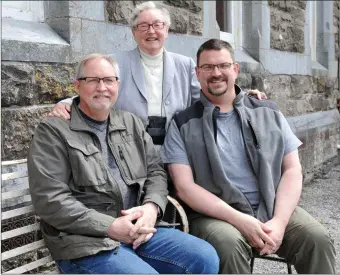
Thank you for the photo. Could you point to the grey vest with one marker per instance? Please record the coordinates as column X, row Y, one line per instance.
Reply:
column 263, row 138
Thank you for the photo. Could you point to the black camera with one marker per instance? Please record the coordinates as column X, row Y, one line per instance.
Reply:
column 156, row 129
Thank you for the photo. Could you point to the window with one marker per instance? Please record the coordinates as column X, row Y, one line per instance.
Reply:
column 23, row 10
column 312, row 27
column 229, row 18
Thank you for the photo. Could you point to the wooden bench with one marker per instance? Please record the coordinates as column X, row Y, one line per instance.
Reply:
column 23, row 248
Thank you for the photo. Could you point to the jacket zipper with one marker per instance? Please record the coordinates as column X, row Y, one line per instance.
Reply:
column 121, row 205
column 121, row 155
column 122, row 158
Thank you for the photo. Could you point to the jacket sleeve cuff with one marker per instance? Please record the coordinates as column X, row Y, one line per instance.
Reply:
column 159, row 201
column 102, row 223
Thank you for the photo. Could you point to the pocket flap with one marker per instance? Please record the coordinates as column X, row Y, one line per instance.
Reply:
column 87, row 149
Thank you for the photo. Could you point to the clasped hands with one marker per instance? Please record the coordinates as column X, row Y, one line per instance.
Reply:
column 265, row 237
column 136, row 226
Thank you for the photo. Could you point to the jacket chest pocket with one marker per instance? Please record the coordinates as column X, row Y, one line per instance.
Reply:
column 88, row 169
column 132, row 157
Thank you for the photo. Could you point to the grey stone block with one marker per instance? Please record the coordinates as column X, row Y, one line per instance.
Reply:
column 184, row 44
column 56, row 9
column 118, row 11
column 300, row 85
column 61, row 26
column 193, row 6
column 117, row 38
column 76, row 38
column 27, row 51
column 244, row 80
column 28, row 84
column 17, row 84
column 91, row 10
column 17, row 136
column 33, row 32
column 32, row 41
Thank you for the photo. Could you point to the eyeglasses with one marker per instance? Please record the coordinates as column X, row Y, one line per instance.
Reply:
column 208, row 68
column 94, row 81
column 145, row 26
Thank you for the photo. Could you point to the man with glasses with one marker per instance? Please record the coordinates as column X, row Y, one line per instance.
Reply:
column 234, row 162
column 98, row 185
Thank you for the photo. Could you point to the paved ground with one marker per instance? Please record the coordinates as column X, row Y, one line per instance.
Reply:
column 321, row 198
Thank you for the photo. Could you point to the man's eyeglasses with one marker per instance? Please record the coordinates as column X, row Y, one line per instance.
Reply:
column 223, row 67
column 94, row 81
column 145, row 26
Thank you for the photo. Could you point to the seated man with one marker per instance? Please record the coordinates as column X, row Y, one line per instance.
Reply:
column 234, row 162
column 98, row 185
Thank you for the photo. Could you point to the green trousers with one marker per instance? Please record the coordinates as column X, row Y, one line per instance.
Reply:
column 306, row 244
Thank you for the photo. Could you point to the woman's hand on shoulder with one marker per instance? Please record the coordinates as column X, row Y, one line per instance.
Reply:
column 259, row 95
column 62, row 110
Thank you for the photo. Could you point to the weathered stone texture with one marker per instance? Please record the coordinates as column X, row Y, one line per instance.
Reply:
column 18, row 126
column 186, row 16
column 25, row 83
column 287, row 19
column 336, row 17
column 297, row 95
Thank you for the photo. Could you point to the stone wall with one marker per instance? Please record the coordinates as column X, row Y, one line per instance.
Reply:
column 336, row 12
column 287, row 19
column 27, row 89
column 186, row 16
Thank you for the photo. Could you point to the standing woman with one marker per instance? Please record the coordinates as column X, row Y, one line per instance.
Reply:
column 154, row 83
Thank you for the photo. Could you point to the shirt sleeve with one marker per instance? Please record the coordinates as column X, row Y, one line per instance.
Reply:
column 68, row 100
column 291, row 142
column 173, row 149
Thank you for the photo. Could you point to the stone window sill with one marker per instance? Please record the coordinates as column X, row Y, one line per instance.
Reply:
column 32, row 41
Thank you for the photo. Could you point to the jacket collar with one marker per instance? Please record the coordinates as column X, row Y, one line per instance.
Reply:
column 77, row 122
column 137, row 72
column 239, row 97
column 168, row 73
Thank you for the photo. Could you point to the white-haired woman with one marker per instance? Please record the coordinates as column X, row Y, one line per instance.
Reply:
column 154, row 83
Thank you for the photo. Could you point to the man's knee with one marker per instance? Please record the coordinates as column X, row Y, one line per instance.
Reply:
column 226, row 239
column 316, row 237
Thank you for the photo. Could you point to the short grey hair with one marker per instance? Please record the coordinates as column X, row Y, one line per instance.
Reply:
column 150, row 5
column 83, row 61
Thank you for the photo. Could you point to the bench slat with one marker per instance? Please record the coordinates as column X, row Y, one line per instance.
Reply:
column 17, row 212
column 19, row 231
column 22, row 250
column 15, row 194
column 20, row 200
column 30, row 266
column 13, row 162
column 14, row 175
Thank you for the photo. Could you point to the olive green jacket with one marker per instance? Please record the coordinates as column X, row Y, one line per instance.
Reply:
column 72, row 190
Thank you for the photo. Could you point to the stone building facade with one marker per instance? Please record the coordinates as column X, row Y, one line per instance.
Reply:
column 289, row 49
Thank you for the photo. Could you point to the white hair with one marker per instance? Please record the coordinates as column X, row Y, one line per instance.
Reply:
column 150, row 5
column 83, row 61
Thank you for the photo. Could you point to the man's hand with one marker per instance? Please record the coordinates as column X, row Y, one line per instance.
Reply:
column 148, row 220
column 61, row 110
column 120, row 229
column 277, row 231
column 256, row 232
column 258, row 94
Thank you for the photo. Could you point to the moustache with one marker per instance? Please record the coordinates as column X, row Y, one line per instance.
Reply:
column 219, row 78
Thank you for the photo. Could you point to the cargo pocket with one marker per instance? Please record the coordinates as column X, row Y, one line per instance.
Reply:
column 88, row 169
